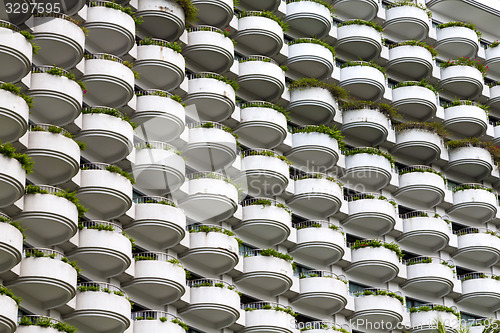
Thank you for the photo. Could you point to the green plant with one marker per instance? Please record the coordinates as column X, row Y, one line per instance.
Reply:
column 431, row 127
column 100, row 227
column 266, row 202
column 370, row 151
column 458, row 102
column 180, row 323
column 429, row 48
column 321, row 2
column 335, row 90
column 221, row 78
column 10, row 87
column 421, row 83
column 207, row 229
column 460, row 24
column 464, row 187
column 57, row 130
column 10, row 152
column 331, row 132
column 276, row 254
column 362, row 22
column 126, row 10
column 466, row 61
column 46, row 322
column 269, row 153
column 268, row 105
column 380, row 293
column 378, row 243
column 70, row 196
column 421, row 261
column 494, row 44
column 72, row 264
column 265, row 14
column 29, row 37
column 436, row 307
column 110, row 112
column 412, row 4
column 430, row 170
column 320, row 176
column 364, row 63
column 117, row 170
column 383, row 108
column 151, row 41
column 7, row 292
column 313, row 41
column 61, row 72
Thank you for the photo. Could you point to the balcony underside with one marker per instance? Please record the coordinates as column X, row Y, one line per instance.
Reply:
column 378, row 177
column 106, row 261
column 309, row 24
column 313, row 157
column 364, row 88
column 478, row 211
column 14, row 64
column 262, row 134
column 378, row 223
column 462, row 86
column 264, row 42
column 430, row 239
column 407, row 28
column 48, row 292
column 359, row 47
column 363, row 9
column 214, row 12
column 262, row 86
column 311, row 111
column 488, row 300
column 48, row 228
column 416, row 108
column 481, row 254
column 162, row 290
column 97, row 320
column 58, row 49
column 325, row 252
column 272, row 283
column 210, row 57
column 158, row 74
column 209, row 106
column 161, row 178
column 104, row 201
column 370, row 132
column 424, row 151
column 158, row 125
column 209, row 155
column 474, row 168
column 103, row 89
column 208, row 207
column 433, row 285
column 215, row 260
column 268, row 231
column 321, row 204
column 262, row 182
column 428, row 194
column 54, row 107
column 162, row 233
column 109, row 37
column 214, row 314
column 161, row 24
column 379, row 270
column 325, row 302
column 467, row 126
column 53, row 166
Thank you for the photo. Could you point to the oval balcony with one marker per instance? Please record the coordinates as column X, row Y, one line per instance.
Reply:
column 319, row 240
column 414, row 101
column 368, row 166
column 474, row 201
column 461, row 81
column 260, row 34
column 158, row 221
column 455, row 42
column 317, row 194
column 265, row 220
column 11, row 244
column 101, row 307
column 309, row 18
column 309, row 59
column 411, row 62
column 159, row 117
column 474, row 162
column 311, row 105
column 156, row 321
column 371, row 211
column 56, row 98
column 103, row 191
column 45, row 279
column 12, row 180
column 381, row 263
column 212, row 248
column 421, row 183
column 262, row 124
column 363, row 9
column 159, row 65
column 8, row 318
column 209, row 48
column 268, row 317
column 378, row 306
column 264, row 173
column 364, row 82
column 212, row 197
column 158, row 167
column 429, row 275
column 261, row 77
column 103, row 248
column 210, row 146
column 494, row 100
column 16, row 53
column 110, row 30
column 213, row 98
column 163, row 19
column 420, row 143
column 313, row 150
column 159, row 276
column 214, row 302
column 367, row 124
column 493, row 59
column 61, row 40
column 359, row 41
column 14, row 114
column 48, row 217
column 479, row 245
column 39, row 324
column 423, row 318
column 109, row 82
column 270, row 5
column 407, row 22
column 425, row 229
column 265, row 272
column 480, row 290
column 466, row 118
column 56, row 155
column 322, row 290
column 217, row 13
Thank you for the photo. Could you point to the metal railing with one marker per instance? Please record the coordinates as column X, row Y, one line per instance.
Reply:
column 42, row 253
column 153, row 92
column 100, row 3
column 94, row 224
column 90, row 108
column 154, row 256
column 155, row 145
column 433, row 305
column 475, row 275
column 155, row 41
column 101, row 286
column 206, row 175
column 104, row 56
column 199, row 227
column 94, row 166
column 46, row 127
column 5, row 216
column 153, row 199
column 200, row 124
column 205, row 75
column 210, row 283
column 421, row 213
column 475, row 230
column 8, row 25
column 44, row 69
column 258, row 57
column 368, row 195
column 359, row 293
column 258, row 104
column 320, row 273
column 314, row 224
column 58, row 15
column 37, row 319
column 205, row 28
column 50, row 189
column 423, row 260
column 250, row 202
column 251, row 152
column 153, row 315
column 264, row 306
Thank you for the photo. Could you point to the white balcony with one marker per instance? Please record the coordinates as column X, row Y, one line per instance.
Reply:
column 371, row 212
column 369, row 125
column 14, row 113
column 214, row 100
column 494, row 100
column 474, row 201
column 321, row 290
column 16, row 53
column 314, row 150
column 312, row 105
column 158, row 276
column 12, row 180
column 310, row 59
column 260, row 34
column 8, row 318
column 11, row 244
column 380, row 263
column 368, row 169
column 213, row 302
column 265, row 273
column 164, row 19
column 429, row 275
column 211, row 248
column 406, row 22
column 479, row 245
column 262, row 125
column 493, row 60
column 480, row 290
column 421, row 144
column 156, row 321
column 110, row 30
column 377, row 308
column 60, row 38
column 364, row 82
column 211, row 197
column 320, row 241
column 415, row 102
column 359, row 41
column 40, row 324
column 309, row 18
column 46, row 281
column 158, row 65
column 261, row 77
column 265, row 220
column 455, row 42
column 411, row 62
column 425, row 321
column 158, row 116
column 56, row 99
column 209, row 48
column 421, row 183
column 109, row 82
column 158, row 221
column 472, row 161
column 211, row 146
column 461, row 81
column 363, row 9
column 264, row 317
column 425, row 229
column 217, row 13
column 263, row 173
column 270, row 5
column 158, row 167
column 105, row 251
column 467, row 119
column 100, row 307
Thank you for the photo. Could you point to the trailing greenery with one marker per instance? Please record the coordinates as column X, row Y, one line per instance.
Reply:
column 115, row 59
column 460, row 24
column 7, row 292
column 378, row 243
column 323, row 129
column 276, row 254
column 61, row 72
column 362, row 22
column 267, row 203
column 494, row 44
column 381, row 293
column 57, row 130
column 161, row 202
column 426, row 126
column 126, row 10
column 429, row 48
column 313, row 41
column 70, row 196
column 178, row 322
column 380, row 197
column 10, row 87
column 72, row 264
column 429, row 170
column 10, row 152
column 475, row 142
column 266, row 14
column 364, row 63
column 222, row 78
column 441, row 308
column 464, row 187
column 421, row 261
column 384, row 108
column 225, row 33
column 458, row 102
column 29, row 37
column 151, row 41
column 335, row 90
column 47, row 322
column 34, row 253
column 371, row 151
column 207, row 229
column 110, row 112
column 16, row 225
column 411, row 4
column 275, row 308
column 190, row 10
column 321, row 2
column 466, row 61
column 100, row 227
column 321, row 176
column 269, row 105
column 422, row 83
column 269, row 153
